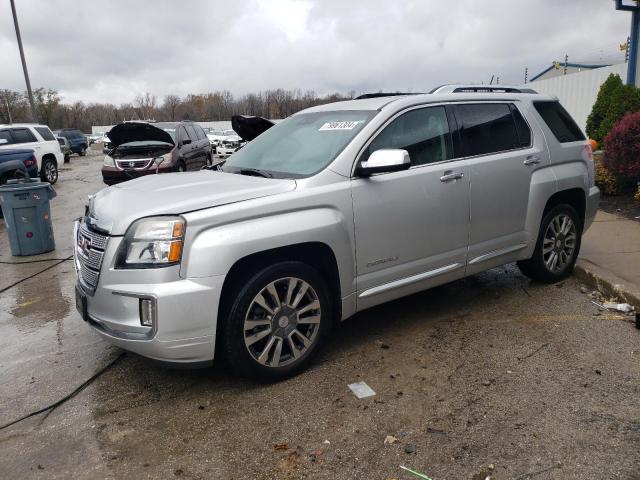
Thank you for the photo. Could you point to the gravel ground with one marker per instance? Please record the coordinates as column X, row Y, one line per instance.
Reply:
column 491, row 376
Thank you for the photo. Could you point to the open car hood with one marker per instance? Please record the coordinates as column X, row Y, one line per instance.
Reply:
column 250, row 127
column 137, row 132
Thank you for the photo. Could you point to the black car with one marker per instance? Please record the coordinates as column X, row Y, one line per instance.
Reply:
column 77, row 140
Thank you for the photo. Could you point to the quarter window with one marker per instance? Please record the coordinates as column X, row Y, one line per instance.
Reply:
column 22, row 135
column 559, row 121
column 424, row 133
column 45, row 133
column 6, row 135
column 524, row 132
column 486, row 128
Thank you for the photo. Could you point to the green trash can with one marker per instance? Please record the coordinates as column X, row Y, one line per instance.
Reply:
column 27, row 216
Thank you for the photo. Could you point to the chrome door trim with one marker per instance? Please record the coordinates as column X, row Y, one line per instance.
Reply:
column 497, row 253
column 409, row 280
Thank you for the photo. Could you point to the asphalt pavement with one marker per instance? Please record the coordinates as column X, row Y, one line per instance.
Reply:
column 491, row 376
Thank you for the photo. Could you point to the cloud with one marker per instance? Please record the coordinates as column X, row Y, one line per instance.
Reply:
column 111, row 50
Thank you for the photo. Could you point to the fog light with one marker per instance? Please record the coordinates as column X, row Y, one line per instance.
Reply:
column 148, row 312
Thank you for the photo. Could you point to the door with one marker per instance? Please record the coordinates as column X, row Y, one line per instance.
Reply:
column 186, row 149
column 501, row 156
column 23, row 138
column 411, row 227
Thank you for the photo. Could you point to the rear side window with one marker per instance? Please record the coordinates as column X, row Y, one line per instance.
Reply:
column 486, row 128
column 45, row 133
column 23, row 135
column 6, row 135
column 424, row 133
column 559, row 121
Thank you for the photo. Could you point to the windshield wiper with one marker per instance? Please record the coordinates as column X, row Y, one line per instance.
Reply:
column 254, row 172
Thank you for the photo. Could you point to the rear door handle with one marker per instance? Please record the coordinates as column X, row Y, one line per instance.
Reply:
column 450, row 176
column 532, row 160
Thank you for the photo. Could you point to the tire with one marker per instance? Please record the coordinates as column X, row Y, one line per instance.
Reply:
column 555, row 240
column 287, row 347
column 83, row 152
column 49, row 171
column 67, row 158
column 181, row 167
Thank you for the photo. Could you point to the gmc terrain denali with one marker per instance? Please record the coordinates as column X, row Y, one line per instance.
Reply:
column 334, row 210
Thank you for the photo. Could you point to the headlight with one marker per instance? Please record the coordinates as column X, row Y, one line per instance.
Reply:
column 108, row 161
column 162, row 158
column 152, row 242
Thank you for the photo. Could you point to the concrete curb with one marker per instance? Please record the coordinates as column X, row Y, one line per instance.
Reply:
column 607, row 283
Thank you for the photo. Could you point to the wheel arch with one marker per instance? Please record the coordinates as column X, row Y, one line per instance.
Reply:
column 318, row 255
column 575, row 197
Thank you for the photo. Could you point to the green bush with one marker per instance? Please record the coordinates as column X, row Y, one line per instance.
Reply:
column 614, row 100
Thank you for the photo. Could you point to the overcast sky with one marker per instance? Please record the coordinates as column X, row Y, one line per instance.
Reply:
column 111, row 50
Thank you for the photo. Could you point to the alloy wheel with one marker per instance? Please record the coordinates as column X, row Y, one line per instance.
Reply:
column 559, row 243
column 282, row 322
column 50, row 172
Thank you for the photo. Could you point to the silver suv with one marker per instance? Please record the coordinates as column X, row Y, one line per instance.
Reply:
column 334, row 210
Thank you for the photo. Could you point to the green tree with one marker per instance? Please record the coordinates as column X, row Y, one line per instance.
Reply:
column 47, row 102
column 602, row 105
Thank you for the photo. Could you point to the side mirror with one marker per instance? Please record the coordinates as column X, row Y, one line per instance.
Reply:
column 186, row 141
column 385, row 160
column 3, row 141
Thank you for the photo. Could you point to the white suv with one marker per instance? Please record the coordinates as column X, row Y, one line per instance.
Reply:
column 39, row 139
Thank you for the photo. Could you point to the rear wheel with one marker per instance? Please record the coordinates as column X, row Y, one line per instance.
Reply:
column 49, row 171
column 277, row 322
column 83, row 152
column 181, row 166
column 557, row 246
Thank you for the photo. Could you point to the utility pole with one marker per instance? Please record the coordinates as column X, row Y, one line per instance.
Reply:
column 6, row 102
column 632, row 51
column 24, row 62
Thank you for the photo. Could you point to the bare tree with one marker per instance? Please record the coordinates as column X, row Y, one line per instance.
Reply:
column 170, row 104
column 145, row 104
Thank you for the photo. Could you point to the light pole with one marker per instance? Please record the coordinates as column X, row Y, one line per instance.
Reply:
column 633, row 7
column 34, row 114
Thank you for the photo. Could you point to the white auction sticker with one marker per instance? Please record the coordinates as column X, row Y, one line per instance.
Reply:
column 348, row 125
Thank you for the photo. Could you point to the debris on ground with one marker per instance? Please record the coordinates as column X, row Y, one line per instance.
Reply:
column 281, row 446
column 435, row 431
column 417, row 474
column 383, row 345
column 410, row 448
column 361, row 390
column 584, row 289
column 485, row 473
column 327, row 442
column 638, row 320
column 390, row 440
column 618, row 307
column 486, row 383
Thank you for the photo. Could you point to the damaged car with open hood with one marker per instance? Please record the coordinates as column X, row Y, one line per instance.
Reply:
column 142, row 148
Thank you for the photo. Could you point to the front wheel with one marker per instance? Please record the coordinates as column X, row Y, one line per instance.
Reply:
column 83, row 152
column 277, row 322
column 557, row 246
column 181, row 167
column 49, row 171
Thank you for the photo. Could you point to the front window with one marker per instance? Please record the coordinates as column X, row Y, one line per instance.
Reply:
column 301, row 145
column 172, row 132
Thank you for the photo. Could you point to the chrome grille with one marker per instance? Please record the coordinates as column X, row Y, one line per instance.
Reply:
column 136, row 164
column 88, row 253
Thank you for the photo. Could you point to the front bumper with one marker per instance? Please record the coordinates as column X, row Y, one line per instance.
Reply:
column 186, row 310
column 113, row 175
column 593, row 199
column 225, row 152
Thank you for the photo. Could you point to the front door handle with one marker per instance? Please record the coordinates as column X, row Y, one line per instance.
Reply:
column 451, row 176
column 532, row 160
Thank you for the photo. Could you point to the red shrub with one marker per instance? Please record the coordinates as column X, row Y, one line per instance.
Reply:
column 622, row 147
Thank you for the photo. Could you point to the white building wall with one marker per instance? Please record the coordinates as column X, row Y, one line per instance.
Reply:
column 577, row 92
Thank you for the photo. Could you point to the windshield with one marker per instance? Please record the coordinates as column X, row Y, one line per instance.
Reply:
column 172, row 132
column 301, row 145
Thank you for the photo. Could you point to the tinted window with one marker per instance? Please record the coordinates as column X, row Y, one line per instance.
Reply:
column 6, row 135
column 524, row 132
column 184, row 135
column 199, row 132
column 192, row 132
column 486, row 128
column 424, row 133
column 45, row 133
column 22, row 135
column 559, row 121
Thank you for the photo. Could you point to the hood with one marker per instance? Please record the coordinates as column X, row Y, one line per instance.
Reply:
column 137, row 132
column 114, row 208
column 232, row 138
column 250, row 127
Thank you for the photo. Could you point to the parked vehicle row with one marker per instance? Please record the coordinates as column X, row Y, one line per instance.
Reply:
column 255, row 262
column 38, row 138
column 77, row 140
